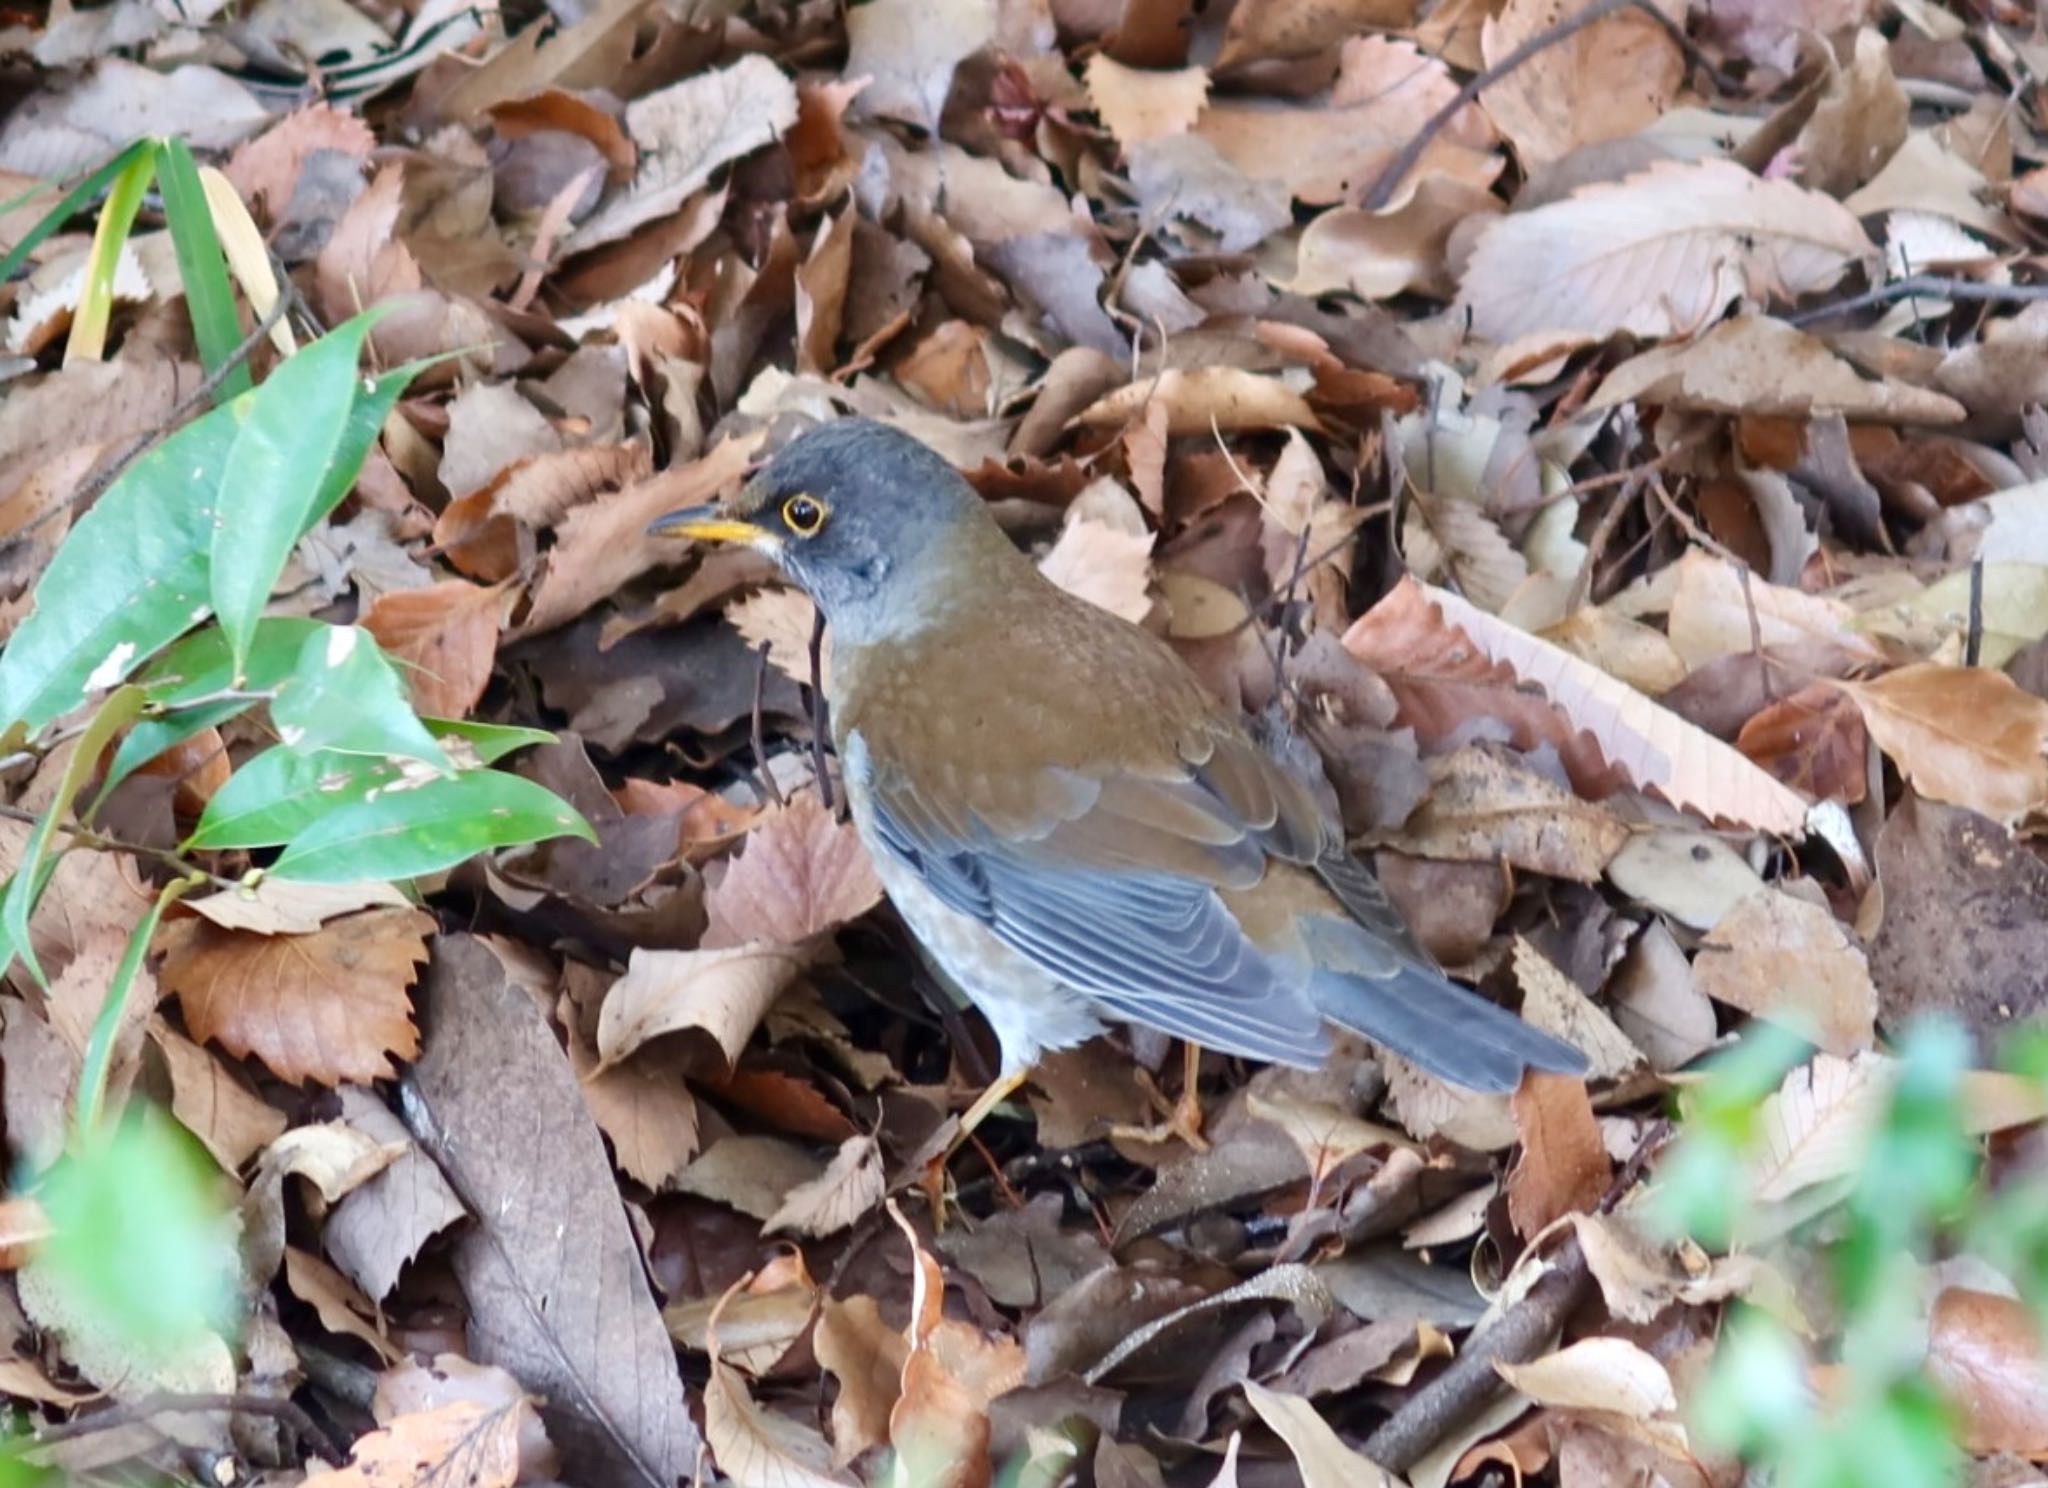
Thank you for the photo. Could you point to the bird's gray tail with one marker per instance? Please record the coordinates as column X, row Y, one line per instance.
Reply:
column 1432, row 1022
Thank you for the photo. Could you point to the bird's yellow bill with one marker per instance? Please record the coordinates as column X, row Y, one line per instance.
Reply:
column 706, row 524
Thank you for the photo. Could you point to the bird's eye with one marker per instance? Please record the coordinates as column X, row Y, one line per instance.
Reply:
column 804, row 515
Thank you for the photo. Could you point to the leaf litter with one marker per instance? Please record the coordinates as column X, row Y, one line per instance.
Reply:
column 1616, row 447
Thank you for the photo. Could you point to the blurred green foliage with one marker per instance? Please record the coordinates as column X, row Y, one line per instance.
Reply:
column 1918, row 1192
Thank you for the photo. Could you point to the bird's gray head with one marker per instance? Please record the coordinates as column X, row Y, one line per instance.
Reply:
column 854, row 512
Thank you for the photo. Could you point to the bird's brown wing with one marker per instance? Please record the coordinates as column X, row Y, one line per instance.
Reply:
column 1109, row 881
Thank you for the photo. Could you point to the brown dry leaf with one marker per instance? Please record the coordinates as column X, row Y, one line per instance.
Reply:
column 1325, row 1461
column 342, row 1308
column 1448, row 661
column 1661, row 252
column 1485, row 805
column 230, row 1120
column 753, row 1446
column 1814, row 741
column 1984, row 1354
column 1783, row 957
column 1335, row 151
column 1623, row 648
column 377, row 1230
column 1203, row 400
column 685, row 132
column 1857, row 123
column 801, row 873
column 1136, row 106
column 642, row 1104
column 330, row 1007
column 860, row 1350
column 1760, row 367
column 757, row 1325
column 1611, row 80
column 460, row 1442
column 850, row 1186
column 265, row 170
column 1656, row 1003
column 444, row 637
column 602, row 546
column 1265, row 30
column 363, row 262
column 723, row 993
column 1563, row 1168
column 1964, row 735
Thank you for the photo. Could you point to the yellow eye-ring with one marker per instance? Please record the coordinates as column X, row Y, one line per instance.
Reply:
column 803, row 515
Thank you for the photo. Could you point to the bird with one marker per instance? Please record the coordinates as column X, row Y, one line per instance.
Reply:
column 1078, row 833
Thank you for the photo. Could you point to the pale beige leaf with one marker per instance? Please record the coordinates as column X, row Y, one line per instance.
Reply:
column 1485, row 805
column 1964, row 735
column 1553, row 1002
column 1815, row 1127
column 722, row 993
column 1377, row 255
column 860, row 1350
column 908, row 50
column 688, row 130
column 1661, row 252
column 1136, row 105
column 1694, row 877
column 1104, row 565
column 1601, row 1374
column 459, row 1442
column 1786, row 958
column 1322, row 1456
column 1202, row 400
column 755, row 1447
column 1452, row 541
column 782, row 620
column 284, row 906
column 1325, row 1134
column 850, row 1186
column 1625, row 649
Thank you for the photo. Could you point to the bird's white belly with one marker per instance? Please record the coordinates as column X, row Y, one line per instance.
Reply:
column 1030, row 1011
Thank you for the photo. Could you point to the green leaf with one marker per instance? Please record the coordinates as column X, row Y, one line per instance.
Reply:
column 199, row 668
column 143, row 1246
column 32, row 874
column 209, row 299
column 344, row 696
column 99, row 1048
column 72, row 203
column 88, row 338
column 429, row 827
column 132, row 577
column 281, row 792
column 289, row 438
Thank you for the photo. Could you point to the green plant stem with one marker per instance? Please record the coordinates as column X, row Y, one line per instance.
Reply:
column 99, row 1049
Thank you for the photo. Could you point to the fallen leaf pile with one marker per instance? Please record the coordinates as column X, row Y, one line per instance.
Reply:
column 1629, row 474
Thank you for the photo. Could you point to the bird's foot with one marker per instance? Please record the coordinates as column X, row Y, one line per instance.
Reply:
column 936, row 1179
column 1183, row 1116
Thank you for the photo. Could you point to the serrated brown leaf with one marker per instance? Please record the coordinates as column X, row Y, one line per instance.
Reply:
column 1610, row 80
column 443, row 638
column 799, row 874
column 1448, row 662
column 1814, row 741
column 329, row 1007
column 1780, row 956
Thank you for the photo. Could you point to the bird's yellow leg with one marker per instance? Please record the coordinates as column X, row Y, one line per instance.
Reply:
column 1183, row 1116
column 1003, row 1087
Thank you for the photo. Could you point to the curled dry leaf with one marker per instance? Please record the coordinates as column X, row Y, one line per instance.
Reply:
column 417, row 1384
column 1658, row 253
column 1618, row 75
column 1323, row 1457
column 1814, row 741
column 1963, row 735
column 1203, row 400
column 866, row 1356
column 1485, row 805
column 753, row 1446
column 1718, row 611
column 1105, row 565
column 1553, row 1002
column 759, row 1323
column 1612, row 1380
column 1784, row 957
column 1448, row 661
column 723, row 993
column 331, row 1006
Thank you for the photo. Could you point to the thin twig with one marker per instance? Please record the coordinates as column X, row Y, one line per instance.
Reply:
column 1932, row 285
column 90, row 488
column 758, row 734
column 135, row 1412
column 1973, row 643
column 1596, row 544
column 1756, row 633
column 1382, row 189
column 100, row 842
column 818, row 720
